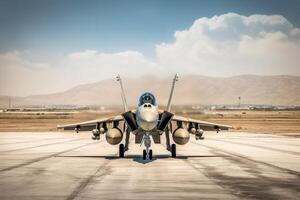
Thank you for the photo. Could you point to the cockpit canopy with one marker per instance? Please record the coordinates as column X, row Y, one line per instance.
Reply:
column 147, row 98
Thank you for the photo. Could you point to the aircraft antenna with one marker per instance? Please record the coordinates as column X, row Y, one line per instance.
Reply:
column 171, row 93
column 122, row 93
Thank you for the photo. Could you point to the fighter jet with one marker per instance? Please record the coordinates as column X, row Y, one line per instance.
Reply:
column 144, row 123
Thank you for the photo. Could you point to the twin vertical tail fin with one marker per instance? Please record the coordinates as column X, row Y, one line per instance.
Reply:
column 128, row 116
column 170, row 97
column 122, row 93
column 171, row 93
column 167, row 116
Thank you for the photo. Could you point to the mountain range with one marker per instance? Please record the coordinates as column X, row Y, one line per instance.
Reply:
column 190, row 89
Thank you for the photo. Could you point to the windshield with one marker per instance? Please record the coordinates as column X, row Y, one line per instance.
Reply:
column 147, row 98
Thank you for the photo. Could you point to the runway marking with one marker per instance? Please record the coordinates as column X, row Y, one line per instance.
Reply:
column 44, row 157
column 87, row 180
column 42, row 145
column 258, row 146
column 289, row 171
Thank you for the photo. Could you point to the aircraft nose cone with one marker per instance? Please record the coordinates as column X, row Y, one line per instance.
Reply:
column 149, row 116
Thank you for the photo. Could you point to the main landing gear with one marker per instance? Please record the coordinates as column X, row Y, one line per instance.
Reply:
column 171, row 148
column 121, row 150
column 122, row 147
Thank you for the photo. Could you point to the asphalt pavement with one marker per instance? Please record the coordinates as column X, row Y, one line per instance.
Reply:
column 230, row 165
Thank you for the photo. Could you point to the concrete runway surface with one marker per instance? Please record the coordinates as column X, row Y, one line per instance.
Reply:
column 66, row 165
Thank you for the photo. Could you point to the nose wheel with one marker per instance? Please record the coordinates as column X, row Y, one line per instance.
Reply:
column 147, row 154
column 150, row 154
column 144, row 154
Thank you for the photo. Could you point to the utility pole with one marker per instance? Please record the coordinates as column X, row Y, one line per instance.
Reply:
column 239, row 101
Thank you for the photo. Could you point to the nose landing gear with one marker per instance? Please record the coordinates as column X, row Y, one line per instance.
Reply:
column 147, row 153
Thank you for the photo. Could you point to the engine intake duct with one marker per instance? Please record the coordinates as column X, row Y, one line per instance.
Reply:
column 165, row 119
column 130, row 120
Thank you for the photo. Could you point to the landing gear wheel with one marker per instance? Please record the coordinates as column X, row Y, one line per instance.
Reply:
column 121, row 150
column 144, row 154
column 150, row 154
column 173, row 150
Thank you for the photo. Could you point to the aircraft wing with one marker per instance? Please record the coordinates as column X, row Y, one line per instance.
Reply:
column 206, row 126
column 90, row 125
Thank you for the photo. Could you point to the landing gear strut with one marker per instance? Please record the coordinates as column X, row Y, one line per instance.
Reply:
column 127, row 139
column 122, row 147
column 171, row 148
column 168, row 139
column 147, row 153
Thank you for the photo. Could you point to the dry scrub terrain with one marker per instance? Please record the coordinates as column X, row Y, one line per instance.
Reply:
column 287, row 122
column 256, row 121
column 43, row 121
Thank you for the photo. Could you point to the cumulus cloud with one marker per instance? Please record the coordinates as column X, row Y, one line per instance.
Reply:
column 233, row 44
column 128, row 60
column 224, row 45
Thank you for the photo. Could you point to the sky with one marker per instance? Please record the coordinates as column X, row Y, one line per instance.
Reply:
column 50, row 46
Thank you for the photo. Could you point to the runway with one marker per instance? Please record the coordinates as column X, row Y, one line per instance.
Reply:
column 230, row 165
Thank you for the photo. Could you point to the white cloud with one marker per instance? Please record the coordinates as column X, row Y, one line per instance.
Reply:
column 228, row 44
column 90, row 65
column 20, row 76
column 233, row 44
column 127, row 59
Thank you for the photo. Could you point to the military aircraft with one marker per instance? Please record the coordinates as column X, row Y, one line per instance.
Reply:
column 146, row 122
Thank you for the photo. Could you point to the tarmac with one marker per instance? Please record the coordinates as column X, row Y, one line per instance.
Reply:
column 229, row 165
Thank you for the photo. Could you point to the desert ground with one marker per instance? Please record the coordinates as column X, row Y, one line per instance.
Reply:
column 279, row 122
column 259, row 159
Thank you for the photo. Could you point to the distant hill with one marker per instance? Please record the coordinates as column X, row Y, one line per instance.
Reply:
column 191, row 89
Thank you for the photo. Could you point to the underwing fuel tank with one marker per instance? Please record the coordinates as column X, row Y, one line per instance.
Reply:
column 114, row 136
column 181, row 136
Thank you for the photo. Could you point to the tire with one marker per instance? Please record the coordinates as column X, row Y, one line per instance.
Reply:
column 173, row 150
column 150, row 154
column 144, row 154
column 121, row 150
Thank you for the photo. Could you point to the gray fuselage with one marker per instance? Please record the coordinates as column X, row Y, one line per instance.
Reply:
column 147, row 112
